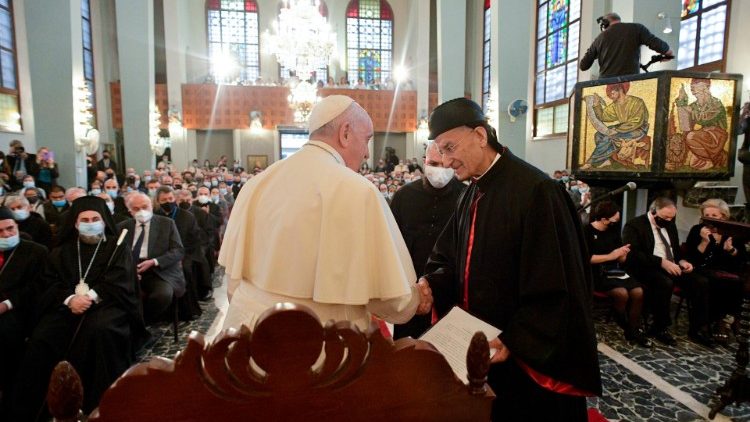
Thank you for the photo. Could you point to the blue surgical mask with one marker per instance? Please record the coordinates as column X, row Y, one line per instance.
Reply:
column 21, row 215
column 215, row 198
column 59, row 204
column 223, row 191
column 214, row 183
column 7, row 243
column 91, row 229
column 147, row 178
column 95, row 192
column 29, row 184
column 112, row 193
column 565, row 179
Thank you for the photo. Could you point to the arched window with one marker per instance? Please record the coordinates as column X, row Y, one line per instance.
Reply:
column 88, row 56
column 10, row 117
column 703, row 35
column 321, row 73
column 369, row 41
column 557, row 42
column 233, row 40
column 486, row 55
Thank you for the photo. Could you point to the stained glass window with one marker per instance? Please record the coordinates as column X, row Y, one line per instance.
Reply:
column 486, row 55
column 88, row 55
column 702, row 34
column 10, row 117
column 233, row 40
column 321, row 73
column 558, row 28
column 369, row 41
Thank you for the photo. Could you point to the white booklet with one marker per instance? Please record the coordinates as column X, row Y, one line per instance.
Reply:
column 452, row 335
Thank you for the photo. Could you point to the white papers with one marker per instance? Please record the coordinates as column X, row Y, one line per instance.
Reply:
column 452, row 335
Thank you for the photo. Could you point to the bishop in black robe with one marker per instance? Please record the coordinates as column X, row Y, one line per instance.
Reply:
column 528, row 273
column 19, row 282
column 99, row 342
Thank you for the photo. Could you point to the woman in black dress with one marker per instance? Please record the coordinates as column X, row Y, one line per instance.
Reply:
column 720, row 258
column 607, row 255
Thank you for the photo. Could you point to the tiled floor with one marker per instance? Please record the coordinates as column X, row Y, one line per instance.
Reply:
column 659, row 384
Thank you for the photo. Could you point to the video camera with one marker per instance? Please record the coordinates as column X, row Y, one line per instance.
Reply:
column 603, row 23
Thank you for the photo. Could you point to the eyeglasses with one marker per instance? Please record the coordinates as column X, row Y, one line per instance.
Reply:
column 451, row 148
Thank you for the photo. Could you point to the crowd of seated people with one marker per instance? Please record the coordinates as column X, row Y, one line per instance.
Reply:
column 390, row 173
column 53, row 240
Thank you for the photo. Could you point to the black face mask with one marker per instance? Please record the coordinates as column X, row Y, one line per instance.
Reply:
column 33, row 199
column 660, row 222
column 178, row 187
column 185, row 205
column 168, row 207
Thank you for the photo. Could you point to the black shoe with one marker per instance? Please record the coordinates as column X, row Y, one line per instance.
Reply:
column 664, row 337
column 207, row 296
column 639, row 337
column 702, row 338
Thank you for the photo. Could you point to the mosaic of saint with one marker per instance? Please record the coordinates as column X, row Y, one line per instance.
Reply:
column 617, row 126
column 699, row 121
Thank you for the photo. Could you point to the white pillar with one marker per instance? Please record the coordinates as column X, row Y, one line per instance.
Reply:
column 451, row 40
column 175, row 49
column 512, row 33
column 421, row 72
column 56, row 70
column 135, row 44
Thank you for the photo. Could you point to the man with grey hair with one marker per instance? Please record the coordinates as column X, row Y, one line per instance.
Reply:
column 350, row 260
column 618, row 47
column 157, row 252
column 657, row 260
column 29, row 222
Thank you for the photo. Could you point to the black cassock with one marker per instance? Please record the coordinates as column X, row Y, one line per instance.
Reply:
column 19, row 283
column 103, row 348
column 529, row 277
column 421, row 212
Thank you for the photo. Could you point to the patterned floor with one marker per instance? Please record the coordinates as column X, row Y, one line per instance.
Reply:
column 693, row 370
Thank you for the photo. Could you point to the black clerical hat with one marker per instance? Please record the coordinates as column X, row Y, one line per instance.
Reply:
column 6, row 214
column 455, row 113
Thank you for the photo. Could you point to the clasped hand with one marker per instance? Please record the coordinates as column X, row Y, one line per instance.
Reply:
column 80, row 304
column 425, row 296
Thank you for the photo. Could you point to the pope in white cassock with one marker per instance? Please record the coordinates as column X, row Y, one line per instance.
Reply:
column 311, row 230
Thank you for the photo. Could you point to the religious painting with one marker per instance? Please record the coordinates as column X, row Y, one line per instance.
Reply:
column 256, row 162
column 616, row 127
column 698, row 131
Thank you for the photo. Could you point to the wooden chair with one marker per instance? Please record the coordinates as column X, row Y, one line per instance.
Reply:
column 275, row 374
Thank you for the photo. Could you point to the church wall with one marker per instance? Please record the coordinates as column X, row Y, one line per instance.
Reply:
column 213, row 144
column 24, row 85
column 258, row 142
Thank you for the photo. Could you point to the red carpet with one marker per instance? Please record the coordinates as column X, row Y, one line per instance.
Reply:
column 595, row 416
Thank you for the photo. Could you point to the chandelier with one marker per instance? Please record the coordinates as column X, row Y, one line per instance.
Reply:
column 302, row 38
column 302, row 41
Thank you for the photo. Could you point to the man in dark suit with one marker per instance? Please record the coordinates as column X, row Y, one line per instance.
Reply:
column 157, row 252
column 106, row 163
column 190, row 236
column 29, row 222
column 21, row 164
column 20, row 264
column 55, row 206
column 655, row 259
column 207, row 229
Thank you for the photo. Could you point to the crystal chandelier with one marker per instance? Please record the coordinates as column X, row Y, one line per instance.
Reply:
column 302, row 38
column 302, row 41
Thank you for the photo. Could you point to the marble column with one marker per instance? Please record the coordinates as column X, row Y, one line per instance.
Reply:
column 451, row 40
column 175, row 24
column 56, row 70
column 135, row 44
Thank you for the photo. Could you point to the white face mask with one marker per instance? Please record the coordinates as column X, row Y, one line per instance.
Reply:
column 203, row 199
column 438, row 176
column 144, row 216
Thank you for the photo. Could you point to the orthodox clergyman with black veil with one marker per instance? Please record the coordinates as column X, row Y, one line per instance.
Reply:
column 89, row 311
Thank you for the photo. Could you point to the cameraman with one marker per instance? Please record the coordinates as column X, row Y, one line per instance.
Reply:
column 618, row 47
column 21, row 164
